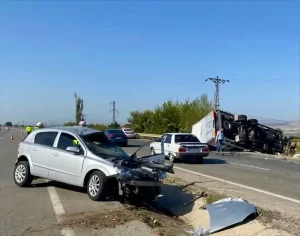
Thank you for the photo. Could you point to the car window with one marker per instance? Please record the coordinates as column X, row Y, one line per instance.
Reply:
column 128, row 130
column 45, row 138
column 168, row 138
column 183, row 138
column 99, row 144
column 66, row 140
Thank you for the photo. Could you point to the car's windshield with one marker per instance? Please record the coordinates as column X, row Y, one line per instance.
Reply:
column 184, row 138
column 128, row 130
column 102, row 147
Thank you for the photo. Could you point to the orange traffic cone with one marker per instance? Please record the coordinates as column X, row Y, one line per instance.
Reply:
column 11, row 137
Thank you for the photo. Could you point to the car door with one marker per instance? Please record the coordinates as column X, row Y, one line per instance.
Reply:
column 66, row 166
column 41, row 152
column 167, row 144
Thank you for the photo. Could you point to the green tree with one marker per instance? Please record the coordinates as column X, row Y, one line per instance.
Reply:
column 114, row 126
column 78, row 108
column 171, row 116
column 100, row 127
column 8, row 123
column 70, row 123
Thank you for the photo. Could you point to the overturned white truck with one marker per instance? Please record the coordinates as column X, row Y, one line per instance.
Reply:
column 240, row 133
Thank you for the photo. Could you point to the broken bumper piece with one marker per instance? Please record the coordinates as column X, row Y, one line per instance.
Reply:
column 228, row 212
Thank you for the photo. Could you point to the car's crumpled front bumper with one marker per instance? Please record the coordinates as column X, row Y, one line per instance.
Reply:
column 148, row 179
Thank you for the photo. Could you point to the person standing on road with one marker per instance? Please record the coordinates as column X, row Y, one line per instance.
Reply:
column 219, row 141
column 28, row 129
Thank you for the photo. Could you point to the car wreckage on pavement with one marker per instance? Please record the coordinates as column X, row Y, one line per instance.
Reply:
column 85, row 157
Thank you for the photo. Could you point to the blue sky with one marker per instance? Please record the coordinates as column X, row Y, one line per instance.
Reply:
column 141, row 53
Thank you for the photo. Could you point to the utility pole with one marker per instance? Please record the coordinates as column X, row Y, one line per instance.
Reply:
column 217, row 83
column 114, row 111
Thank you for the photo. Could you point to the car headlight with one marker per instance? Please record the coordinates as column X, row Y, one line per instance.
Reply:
column 126, row 172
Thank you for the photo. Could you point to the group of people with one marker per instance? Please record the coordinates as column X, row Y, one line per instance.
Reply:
column 40, row 125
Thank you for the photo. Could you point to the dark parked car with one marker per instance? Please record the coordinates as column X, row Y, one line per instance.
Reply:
column 117, row 136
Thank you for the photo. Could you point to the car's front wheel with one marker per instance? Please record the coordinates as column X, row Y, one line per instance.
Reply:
column 22, row 176
column 96, row 186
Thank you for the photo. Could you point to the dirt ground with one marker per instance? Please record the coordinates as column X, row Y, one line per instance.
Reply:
column 162, row 224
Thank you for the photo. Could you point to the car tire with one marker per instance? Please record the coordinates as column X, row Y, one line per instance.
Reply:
column 152, row 151
column 125, row 144
column 200, row 160
column 96, row 186
column 227, row 125
column 22, row 176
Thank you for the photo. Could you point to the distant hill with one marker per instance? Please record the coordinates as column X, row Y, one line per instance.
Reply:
column 289, row 128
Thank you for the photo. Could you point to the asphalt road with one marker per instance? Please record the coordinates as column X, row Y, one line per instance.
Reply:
column 271, row 175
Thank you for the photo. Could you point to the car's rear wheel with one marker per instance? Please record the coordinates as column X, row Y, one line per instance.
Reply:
column 96, row 186
column 22, row 176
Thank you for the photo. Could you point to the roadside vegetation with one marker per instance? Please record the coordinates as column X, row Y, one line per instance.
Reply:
column 171, row 116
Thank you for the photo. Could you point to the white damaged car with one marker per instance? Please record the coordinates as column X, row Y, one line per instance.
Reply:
column 85, row 157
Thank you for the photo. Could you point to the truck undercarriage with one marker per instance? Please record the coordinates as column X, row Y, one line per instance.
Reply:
column 244, row 133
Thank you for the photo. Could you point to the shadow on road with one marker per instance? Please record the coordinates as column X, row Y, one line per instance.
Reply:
column 212, row 161
column 208, row 161
column 175, row 205
column 58, row 185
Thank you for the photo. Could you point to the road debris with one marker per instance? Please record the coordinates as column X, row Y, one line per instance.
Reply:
column 227, row 212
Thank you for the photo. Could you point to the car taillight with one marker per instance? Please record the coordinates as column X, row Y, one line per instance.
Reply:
column 110, row 135
column 206, row 149
column 181, row 149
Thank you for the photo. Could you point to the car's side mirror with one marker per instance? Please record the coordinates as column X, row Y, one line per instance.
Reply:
column 73, row 149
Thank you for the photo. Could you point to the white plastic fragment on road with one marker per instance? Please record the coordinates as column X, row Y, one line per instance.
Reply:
column 227, row 212
column 224, row 213
column 238, row 199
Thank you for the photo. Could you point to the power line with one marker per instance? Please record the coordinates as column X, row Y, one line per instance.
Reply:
column 114, row 111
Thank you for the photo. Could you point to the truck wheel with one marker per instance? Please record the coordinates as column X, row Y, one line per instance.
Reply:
column 22, row 176
column 253, row 122
column 242, row 118
column 227, row 125
column 96, row 186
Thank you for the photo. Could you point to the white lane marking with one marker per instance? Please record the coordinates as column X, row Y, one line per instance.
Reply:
column 256, row 167
column 241, row 185
column 59, row 210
